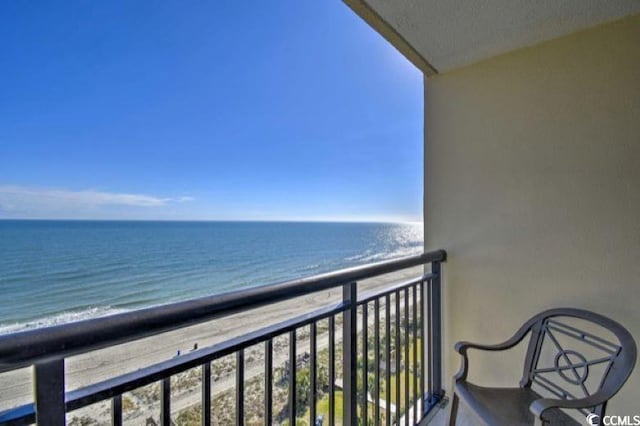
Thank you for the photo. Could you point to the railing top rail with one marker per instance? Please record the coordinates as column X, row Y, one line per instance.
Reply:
column 25, row 348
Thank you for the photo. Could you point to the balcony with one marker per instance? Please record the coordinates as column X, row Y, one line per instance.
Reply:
column 531, row 170
column 395, row 381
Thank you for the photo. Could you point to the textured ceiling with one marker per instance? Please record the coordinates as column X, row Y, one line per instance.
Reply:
column 452, row 33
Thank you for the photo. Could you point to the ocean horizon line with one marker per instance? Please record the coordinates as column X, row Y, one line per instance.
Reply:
column 348, row 221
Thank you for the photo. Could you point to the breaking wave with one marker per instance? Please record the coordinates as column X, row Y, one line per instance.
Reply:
column 60, row 318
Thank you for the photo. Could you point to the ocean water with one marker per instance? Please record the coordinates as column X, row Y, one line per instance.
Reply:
column 53, row 272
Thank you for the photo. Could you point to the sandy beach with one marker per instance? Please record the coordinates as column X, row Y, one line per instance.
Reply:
column 93, row 367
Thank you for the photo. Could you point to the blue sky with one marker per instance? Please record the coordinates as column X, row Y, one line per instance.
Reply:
column 282, row 110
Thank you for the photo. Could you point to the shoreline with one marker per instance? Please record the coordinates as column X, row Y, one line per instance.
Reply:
column 93, row 367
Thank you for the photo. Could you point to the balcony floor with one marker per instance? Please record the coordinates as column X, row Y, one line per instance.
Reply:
column 440, row 417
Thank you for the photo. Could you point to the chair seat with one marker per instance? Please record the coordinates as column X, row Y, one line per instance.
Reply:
column 507, row 406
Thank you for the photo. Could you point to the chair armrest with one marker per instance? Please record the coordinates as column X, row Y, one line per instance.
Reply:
column 462, row 347
column 539, row 406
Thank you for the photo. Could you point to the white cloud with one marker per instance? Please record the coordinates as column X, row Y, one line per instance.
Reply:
column 14, row 198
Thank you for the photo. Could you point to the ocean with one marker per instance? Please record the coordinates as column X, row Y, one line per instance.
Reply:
column 53, row 272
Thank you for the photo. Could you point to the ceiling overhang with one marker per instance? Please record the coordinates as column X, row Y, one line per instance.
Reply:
column 438, row 36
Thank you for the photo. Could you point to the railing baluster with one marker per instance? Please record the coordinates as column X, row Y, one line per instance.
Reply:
column 435, row 342
column 332, row 370
column 414, row 373
column 376, row 357
column 387, row 343
column 398, row 351
column 313, row 372
column 49, row 393
column 423, row 348
column 240, row 387
column 206, row 394
column 268, row 382
column 430, row 348
column 292, row 377
column 349, row 354
column 165, row 402
column 116, row 410
column 407, row 402
column 365, row 359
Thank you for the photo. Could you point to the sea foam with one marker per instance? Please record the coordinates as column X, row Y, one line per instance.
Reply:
column 60, row 318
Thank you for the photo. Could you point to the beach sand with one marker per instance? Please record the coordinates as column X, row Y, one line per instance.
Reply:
column 16, row 386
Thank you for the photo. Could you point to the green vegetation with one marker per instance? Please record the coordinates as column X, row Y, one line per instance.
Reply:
column 223, row 404
column 322, row 409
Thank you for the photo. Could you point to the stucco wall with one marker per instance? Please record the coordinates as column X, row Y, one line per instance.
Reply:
column 532, row 184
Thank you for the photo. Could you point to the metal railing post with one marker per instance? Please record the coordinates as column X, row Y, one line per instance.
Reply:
column 49, row 393
column 434, row 303
column 350, row 354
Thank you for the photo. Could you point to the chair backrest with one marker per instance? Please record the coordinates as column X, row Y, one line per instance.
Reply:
column 574, row 353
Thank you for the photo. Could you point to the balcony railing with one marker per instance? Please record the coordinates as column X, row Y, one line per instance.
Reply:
column 389, row 341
